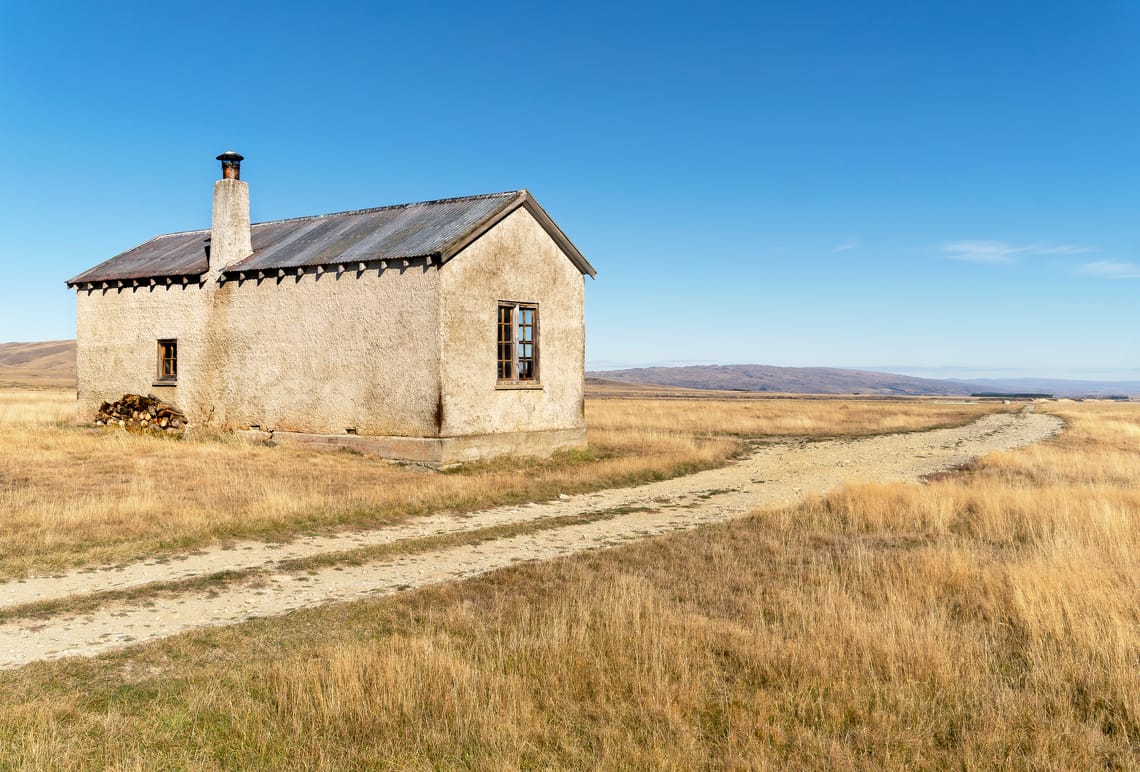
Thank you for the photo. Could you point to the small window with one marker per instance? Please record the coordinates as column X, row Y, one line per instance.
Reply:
column 168, row 361
column 518, row 343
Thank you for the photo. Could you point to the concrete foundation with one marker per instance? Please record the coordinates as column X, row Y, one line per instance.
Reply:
column 437, row 451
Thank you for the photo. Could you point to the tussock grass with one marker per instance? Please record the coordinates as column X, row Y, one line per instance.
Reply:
column 25, row 407
column 72, row 496
column 986, row 619
column 808, row 418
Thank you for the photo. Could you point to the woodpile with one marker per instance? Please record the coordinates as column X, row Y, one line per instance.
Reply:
column 135, row 412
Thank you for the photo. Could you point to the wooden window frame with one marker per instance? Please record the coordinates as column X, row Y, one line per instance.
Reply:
column 167, row 355
column 507, row 348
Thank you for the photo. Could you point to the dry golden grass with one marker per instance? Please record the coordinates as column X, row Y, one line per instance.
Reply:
column 773, row 417
column 73, row 496
column 41, row 407
column 988, row 619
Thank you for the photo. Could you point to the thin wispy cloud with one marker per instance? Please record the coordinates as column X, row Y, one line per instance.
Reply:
column 1060, row 249
column 981, row 251
column 1112, row 270
column 846, row 245
column 998, row 252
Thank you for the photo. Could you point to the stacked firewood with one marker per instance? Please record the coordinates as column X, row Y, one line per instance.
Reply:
column 138, row 413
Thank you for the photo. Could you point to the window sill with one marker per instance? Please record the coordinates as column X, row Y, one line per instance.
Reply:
column 164, row 383
column 508, row 386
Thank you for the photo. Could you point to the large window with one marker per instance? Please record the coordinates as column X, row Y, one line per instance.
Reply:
column 167, row 361
column 518, row 343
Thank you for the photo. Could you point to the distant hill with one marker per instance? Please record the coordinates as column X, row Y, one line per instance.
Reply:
column 52, row 364
column 793, row 380
column 831, row 380
column 45, row 364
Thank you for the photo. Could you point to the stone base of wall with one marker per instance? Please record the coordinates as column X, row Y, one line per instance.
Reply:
column 438, row 451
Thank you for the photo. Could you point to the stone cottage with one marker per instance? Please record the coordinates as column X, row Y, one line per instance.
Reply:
column 437, row 332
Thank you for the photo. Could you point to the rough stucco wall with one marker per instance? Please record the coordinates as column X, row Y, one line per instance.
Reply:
column 316, row 355
column 323, row 354
column 116, row 342
column 516, row 260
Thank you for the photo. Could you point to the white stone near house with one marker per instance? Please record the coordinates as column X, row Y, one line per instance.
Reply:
column 438, row 332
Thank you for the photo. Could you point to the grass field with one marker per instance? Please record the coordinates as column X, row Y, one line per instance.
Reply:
column 990, row 618
column 74, row 496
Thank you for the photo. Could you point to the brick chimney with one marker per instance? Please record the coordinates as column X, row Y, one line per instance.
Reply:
column 229, row 230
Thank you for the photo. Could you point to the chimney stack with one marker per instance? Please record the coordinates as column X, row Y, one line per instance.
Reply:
column 229, row 231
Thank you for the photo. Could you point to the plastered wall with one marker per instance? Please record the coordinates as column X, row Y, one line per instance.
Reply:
column 116, row 341
column 314, row 354
column 328, row 354
column 515, row 261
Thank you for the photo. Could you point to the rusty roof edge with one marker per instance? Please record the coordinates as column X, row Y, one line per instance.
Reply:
column 78, row 278
column 76, row 282
column 235, row 269
column 523, row 199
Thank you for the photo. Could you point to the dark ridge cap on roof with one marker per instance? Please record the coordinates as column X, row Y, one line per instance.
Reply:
column 519, row 192
column 172, row 233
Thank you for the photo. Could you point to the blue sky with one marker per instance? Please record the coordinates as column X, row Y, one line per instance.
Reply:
column 941, row 187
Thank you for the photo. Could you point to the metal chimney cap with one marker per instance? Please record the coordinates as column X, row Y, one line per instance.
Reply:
column 231, row 165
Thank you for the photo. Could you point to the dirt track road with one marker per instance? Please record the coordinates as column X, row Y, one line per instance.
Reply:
column 773, row 475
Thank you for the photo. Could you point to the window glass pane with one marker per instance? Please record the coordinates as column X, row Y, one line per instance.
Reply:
column 505, row 343
column 167, row 358
column 517, row 342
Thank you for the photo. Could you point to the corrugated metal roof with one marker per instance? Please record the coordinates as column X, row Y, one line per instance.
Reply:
column 175, row 254
column 387, row 233
column 392, row 232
